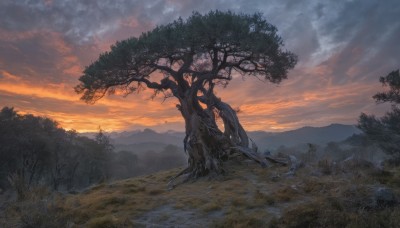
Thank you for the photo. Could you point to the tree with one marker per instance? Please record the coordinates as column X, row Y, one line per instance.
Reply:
column 35, row 150
column 193, row 56
column 385, row 131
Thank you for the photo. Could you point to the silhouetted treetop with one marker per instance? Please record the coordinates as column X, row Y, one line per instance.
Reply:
column 203, row 48
column 392, row 80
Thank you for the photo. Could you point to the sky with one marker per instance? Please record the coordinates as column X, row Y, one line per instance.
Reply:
column 343, row 48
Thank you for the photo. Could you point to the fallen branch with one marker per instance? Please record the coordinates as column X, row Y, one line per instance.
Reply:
column 276, row 160
column 252, row 154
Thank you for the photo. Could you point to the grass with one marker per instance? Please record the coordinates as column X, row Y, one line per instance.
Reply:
column 262, row 199
column 285, row 194
column 337, row 212
column 245, row 196
column 108, row 222
column 154, row 192
column 342, row 201
column 238, row 219
column 211, row 206
column 38, row 208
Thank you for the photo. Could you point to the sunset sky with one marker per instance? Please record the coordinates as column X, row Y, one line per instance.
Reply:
column 343, row 48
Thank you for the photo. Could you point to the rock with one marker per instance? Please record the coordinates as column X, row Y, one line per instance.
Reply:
column 379, row 165
column 267, row 153
column 384, row 197
column 275, row 177
column 351, row 158
column 294, row 165
column 290, row 174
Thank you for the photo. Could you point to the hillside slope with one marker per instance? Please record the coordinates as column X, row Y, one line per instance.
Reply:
column 320, row 195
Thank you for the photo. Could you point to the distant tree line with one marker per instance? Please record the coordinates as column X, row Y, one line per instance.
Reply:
column 36, row 151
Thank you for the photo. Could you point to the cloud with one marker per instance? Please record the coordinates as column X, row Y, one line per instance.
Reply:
column 343, row 48
column 39, row 56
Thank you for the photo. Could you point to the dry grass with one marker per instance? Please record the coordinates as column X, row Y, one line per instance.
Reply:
column 154, row 192
column 233, row 221
column 134, row 197
column 246, row 191
column 211, row 206
column 345, row 201
column 38, row 208
column 244, row 197
column 337, row 212
column 262, row 199
column 109, row 222
column 285, row 194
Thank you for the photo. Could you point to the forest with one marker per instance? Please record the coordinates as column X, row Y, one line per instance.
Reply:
column 36, row 151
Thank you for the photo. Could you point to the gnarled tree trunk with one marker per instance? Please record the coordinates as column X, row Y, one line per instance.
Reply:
column 206, row 145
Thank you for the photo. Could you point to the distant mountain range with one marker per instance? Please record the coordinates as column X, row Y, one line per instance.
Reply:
column 315, row 135
column 271, row 140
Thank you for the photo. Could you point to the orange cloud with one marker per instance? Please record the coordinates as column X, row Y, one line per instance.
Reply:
column 262, row 106
column 118, row 113
column 89, row 122
column 8, row 76
column 48, row 91
column 61, row 91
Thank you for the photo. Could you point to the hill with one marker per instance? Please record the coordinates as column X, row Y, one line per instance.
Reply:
column 147, row 139
column 147, row 136
column 319, row 195
column 315, row 135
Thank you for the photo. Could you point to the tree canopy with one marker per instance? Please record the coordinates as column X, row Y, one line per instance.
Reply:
column 204, row 48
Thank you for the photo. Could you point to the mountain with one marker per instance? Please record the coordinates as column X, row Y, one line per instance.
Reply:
column 148, row 139
column 147, row 136
column 315, row 135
